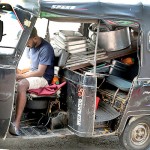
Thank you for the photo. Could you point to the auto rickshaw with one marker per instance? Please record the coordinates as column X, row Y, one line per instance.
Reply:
column 107, row 81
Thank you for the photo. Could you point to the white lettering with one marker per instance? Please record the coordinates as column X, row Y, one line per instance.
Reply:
column 62, row 7
column 79, row 112
column 146, row 92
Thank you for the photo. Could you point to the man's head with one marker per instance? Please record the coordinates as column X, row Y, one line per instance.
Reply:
column 33, row 40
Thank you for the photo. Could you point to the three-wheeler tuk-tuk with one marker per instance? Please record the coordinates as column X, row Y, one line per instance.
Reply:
column 105, row 65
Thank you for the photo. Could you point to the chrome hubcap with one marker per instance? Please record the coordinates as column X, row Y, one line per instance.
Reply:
column 140, row 134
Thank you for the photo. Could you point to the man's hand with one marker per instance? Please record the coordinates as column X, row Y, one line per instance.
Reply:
column 22, row 71
column 37, row 73
column 20, row 76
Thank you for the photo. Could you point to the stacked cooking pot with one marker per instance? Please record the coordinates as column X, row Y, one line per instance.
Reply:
column 71, row 41
column 110, row 39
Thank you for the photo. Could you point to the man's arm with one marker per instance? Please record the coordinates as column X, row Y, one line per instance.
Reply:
column 38, row 73
column 19, row 71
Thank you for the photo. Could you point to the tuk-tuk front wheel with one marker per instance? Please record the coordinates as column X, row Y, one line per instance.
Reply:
column 136, row 135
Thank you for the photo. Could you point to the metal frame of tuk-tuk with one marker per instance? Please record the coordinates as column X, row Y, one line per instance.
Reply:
column 135, row 16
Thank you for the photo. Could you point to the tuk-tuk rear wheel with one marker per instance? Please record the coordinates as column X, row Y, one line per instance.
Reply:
column 136, row 135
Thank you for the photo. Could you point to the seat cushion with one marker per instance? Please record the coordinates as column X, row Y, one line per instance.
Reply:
column 118, row 82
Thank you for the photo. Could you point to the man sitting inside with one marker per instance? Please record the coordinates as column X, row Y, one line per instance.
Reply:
column 41, row 74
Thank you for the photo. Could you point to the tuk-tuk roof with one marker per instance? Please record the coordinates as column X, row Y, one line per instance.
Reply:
column 64, row 10
column 85, row 10
column 90, row 9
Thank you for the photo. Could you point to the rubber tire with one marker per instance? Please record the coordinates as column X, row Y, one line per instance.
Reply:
column 125, row 137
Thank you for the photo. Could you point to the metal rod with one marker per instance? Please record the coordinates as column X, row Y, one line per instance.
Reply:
column 47, row 36
column 96, row 45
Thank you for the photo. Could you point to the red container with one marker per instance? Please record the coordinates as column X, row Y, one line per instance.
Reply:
column 97, row 102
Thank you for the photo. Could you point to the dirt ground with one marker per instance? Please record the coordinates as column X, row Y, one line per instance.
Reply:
column 64, row 143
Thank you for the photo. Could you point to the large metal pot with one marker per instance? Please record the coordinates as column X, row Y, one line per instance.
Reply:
column 37, row 104
column 112, row 40
column 93, row 31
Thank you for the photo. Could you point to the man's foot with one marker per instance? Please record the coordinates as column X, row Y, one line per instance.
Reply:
column 13, row 130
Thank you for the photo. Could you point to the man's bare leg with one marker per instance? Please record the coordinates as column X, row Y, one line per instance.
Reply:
column 23, row 86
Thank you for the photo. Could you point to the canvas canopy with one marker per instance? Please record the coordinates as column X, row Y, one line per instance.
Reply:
column 85, row 10
column 89, row 10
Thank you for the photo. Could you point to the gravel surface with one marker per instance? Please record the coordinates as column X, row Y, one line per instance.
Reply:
column 66, row 143
column 63, row 143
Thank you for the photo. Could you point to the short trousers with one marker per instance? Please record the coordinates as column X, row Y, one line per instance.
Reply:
column 36, row 82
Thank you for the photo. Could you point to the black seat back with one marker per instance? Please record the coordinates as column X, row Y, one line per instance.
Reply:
column 62, row 59
column 118, row 76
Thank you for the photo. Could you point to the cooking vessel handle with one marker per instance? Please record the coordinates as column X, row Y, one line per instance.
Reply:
column 95, row 28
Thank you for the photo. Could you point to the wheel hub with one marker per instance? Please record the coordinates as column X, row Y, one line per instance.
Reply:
column 140, row 134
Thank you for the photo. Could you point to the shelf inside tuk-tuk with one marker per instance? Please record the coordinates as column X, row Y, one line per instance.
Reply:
column 83, row 59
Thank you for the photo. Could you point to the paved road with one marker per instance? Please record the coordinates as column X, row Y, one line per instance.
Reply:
column 65, row 143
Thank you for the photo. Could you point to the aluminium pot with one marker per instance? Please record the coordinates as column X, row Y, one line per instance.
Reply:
column 113, row 40
column 93, row 31
column 37, row 104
